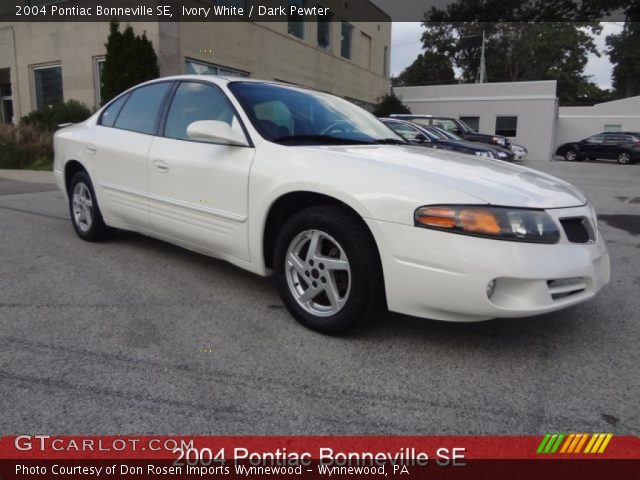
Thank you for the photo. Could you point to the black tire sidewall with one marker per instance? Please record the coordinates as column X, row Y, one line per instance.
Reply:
column 349, row 234
column 566, row 154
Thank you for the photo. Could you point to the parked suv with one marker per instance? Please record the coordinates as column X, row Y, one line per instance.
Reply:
column 621, row 146
column 456, row 126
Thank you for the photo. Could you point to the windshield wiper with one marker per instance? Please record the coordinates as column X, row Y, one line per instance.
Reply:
column 328, row 139
column 390, row 141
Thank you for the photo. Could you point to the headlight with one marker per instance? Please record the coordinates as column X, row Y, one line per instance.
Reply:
column 485, row 154
column 501, row 223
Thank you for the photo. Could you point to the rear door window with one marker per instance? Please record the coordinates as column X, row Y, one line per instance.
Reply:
column 140, row 113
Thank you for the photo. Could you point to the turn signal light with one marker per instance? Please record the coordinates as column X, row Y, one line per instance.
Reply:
column 439, row 217
column 500, row 223
column 479, row 221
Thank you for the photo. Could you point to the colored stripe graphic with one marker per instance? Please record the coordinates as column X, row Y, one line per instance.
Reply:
column 573, row 443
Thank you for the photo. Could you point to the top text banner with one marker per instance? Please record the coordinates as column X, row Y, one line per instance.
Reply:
column 327, row 10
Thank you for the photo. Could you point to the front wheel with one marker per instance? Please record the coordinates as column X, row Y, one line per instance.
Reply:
column 570, row 156
column 624, row 158
column 328, row 270
column 83, row 207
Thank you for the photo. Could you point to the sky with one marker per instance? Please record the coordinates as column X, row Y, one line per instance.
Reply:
column 406, row 45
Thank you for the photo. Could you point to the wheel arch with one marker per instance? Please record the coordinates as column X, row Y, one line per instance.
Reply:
column 71, row 167
column 292, row 202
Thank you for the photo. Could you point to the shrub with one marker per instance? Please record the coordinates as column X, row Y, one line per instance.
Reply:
column 49, row 118
column 388, row 104
column 25, row 147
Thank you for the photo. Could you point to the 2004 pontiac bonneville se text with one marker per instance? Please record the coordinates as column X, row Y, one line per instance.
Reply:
column 348, row 217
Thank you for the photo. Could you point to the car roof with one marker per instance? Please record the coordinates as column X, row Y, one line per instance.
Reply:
column 409, row 115
column 637, row 134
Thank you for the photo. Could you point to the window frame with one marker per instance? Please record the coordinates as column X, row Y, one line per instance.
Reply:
column 329, row 46
column 495, row 130
column 43, row 66
column 164, row 114
column 351, row 30
column 217, row 67
column 129, row 93
column 300, row 22
column 97, row 77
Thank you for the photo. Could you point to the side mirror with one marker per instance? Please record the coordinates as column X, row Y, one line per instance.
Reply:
column 214, row 131
column 420, row 138
column 457, row 131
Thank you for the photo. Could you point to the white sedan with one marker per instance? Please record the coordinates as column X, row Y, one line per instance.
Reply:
column 349, row 218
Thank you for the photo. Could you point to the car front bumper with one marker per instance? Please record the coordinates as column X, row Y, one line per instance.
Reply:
column 445, row 276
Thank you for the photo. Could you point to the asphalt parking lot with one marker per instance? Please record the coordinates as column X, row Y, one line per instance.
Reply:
column 138, row 336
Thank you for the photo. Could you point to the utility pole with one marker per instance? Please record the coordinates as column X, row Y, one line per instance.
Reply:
column 482, row 72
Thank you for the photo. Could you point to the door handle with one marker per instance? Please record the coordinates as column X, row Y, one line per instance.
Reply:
column 91, row 149
column 161, row 166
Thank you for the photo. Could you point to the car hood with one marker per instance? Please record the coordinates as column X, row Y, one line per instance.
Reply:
column 490, row 181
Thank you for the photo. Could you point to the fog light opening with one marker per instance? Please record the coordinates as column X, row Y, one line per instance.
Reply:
column 491, row 286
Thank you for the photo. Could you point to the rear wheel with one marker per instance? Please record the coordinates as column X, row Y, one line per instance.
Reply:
column 85, row 213
column 570, row 156
column 328, row 270
column 624, row 158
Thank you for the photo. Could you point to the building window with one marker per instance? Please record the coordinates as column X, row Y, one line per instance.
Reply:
column 295, row 21
column 346, row 40
column 366, row 49
column 195, row 67
column 324, row 31
column 472, row 122
column 98, row 67
column 47, row 82
column 507, row 126
column 6, row 96
column 612, row 128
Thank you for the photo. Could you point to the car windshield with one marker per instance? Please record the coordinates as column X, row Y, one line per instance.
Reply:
column 291, row 115
column 466, row 127
column 447, row 135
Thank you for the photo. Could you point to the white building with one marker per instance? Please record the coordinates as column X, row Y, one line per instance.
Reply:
column 576, row 123
column 526, row 112
column 523, row 111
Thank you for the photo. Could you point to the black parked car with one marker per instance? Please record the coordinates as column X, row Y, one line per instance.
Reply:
column 621, row 146
column 456, row 126
column 499, row 152
column 418, row 135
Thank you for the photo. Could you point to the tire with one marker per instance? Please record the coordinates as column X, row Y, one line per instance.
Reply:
column 84, row 210
column 570, row 155
column 624, row 158
column 329, row 299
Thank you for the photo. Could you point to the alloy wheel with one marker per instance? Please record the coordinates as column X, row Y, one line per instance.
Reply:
column 318, row 273
column 82, row 207
column 624, row 158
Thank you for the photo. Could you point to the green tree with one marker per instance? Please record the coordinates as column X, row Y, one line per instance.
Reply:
column 130, row 60
column 518, row 51
column 428, row 69
column 624, row 53
column 388, row 104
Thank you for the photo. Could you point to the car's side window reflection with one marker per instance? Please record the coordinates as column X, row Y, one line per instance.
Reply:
column 110, row 114
column 194, row 102
column 140, row 113
column 595, row 139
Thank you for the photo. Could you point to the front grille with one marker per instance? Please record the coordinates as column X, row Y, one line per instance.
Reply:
column 578, row 230
column 565, row 287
